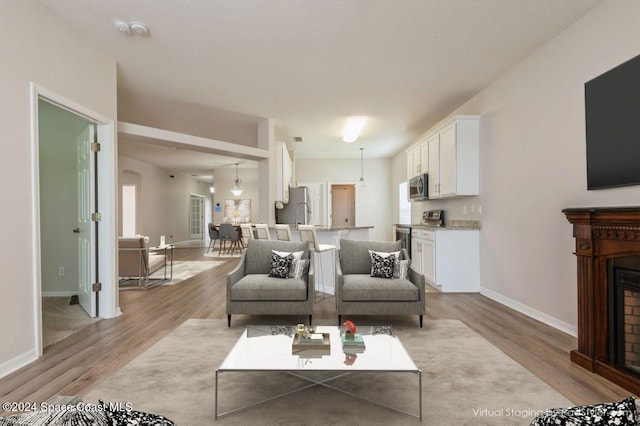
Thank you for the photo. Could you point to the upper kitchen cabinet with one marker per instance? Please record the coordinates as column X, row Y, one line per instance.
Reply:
column 283, row 172
column 417, row 160
column 454, row 158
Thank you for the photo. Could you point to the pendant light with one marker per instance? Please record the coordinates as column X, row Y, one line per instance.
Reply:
column 362, row 182
column 237, row 188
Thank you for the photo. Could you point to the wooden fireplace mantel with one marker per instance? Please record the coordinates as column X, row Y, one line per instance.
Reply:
column 601, row 234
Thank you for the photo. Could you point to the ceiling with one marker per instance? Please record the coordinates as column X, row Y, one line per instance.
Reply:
column 309, row 65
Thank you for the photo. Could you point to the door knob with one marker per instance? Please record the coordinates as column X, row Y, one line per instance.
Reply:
column 76, row 231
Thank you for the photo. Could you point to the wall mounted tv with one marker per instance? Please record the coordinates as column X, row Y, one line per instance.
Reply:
column 612, row 113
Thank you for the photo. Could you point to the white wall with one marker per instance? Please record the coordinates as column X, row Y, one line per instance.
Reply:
column 224, row 178
column 373, row 202
column 38, row 48
column 163, row 201
column 532, row 163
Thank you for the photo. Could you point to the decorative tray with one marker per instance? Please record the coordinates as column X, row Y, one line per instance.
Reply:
column 300, row 345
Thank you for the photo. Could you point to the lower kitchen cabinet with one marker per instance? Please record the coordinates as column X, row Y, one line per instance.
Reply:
column 449, row 259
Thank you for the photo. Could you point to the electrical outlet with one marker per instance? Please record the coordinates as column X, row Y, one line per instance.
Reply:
column 61, row 271
column 472, row 208
column 464, row 209
column 479, row 209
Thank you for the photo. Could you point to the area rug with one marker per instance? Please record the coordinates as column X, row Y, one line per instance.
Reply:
column 182, row 270
column 466, row 381
column 60, row 319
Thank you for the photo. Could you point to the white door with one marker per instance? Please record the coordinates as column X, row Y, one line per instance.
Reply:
column 429, row 260
column 196, row 217
column 434, row 165
column 448, row 160
column 86, row 230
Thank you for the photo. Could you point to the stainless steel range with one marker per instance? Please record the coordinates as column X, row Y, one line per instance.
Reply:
column 403, row 233
column 433, row 218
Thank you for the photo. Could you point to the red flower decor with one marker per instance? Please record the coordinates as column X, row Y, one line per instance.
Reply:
column 350, row 326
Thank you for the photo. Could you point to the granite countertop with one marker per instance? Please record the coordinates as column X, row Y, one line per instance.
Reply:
column 324, row 228
column 452, row 224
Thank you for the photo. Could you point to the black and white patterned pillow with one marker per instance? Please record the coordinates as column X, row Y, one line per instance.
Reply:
column 299, row 268
column 400, row 269
column 280, row 265
column 615, row 413
column 134, row 418
column 382, row 267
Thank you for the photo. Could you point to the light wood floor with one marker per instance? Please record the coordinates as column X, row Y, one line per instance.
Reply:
column 76, row 364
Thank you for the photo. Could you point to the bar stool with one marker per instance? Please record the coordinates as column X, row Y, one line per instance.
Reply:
column 247, row 233
column 262, row 231
column 283, row 232
column 308, row 233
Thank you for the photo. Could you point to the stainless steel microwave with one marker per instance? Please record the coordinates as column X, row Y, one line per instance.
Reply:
column 419, row 188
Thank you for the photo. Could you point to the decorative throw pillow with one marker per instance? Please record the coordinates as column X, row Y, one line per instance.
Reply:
column 299, row 268
column 400, row 269
column 614, row 413
column 280, row 265
column 382, row 267
column 134, row 418
column 297, row 255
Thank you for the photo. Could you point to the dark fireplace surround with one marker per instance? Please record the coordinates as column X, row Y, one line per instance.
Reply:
column 608, row 258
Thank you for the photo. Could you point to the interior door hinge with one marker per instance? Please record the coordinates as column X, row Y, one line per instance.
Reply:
column 96, row 286
column 95, row 147
column 96, row 217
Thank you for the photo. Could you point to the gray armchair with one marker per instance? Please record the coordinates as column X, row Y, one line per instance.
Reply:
column 358, row 293
column 250, row 289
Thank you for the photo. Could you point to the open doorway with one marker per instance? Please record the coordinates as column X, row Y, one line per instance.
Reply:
column 91, row 211
column 66, row 235
column 343, row 205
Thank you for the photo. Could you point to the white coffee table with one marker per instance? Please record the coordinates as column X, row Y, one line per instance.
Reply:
column 269, row 348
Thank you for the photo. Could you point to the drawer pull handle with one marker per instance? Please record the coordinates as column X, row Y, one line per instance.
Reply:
column 584, row 246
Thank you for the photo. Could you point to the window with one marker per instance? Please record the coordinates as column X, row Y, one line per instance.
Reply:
column 404, row 206
column 128, row 210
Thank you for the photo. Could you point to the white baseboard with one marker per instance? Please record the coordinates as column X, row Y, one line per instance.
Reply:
column 58, row 293
column 18, row 362
column 530, row 312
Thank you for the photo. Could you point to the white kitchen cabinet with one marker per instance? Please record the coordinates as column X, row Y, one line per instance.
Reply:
column 429, row 256
column 283, row 172
column 433, row 146
column 417, row 160
column 454, row 152
column 416, row 250
column 450, row 259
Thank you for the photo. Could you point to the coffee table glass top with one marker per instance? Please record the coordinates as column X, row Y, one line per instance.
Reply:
column 269, row 348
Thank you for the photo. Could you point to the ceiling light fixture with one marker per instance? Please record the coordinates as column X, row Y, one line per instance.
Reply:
column 362, row 182
column 237, row 188
column 353, row 128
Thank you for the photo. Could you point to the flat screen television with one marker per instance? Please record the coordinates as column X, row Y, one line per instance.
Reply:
column 612, row 115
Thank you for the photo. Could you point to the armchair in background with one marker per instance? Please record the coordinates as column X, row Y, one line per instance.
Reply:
column 137, row 262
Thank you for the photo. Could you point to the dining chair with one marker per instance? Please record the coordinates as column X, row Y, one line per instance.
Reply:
column 213, row 236
column 283, row 232
column 247, row 233
column 308, row 233
column 262, row 231
column 229, row 233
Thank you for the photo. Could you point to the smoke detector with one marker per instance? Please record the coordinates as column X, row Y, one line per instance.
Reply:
column 133, row 27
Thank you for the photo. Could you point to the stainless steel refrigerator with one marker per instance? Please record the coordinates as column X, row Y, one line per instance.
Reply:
column 297, row 211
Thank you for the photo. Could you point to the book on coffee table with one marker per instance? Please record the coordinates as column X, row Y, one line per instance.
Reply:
column 355, row 340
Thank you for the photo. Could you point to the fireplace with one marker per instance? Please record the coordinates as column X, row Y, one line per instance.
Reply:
column 625, row 316
column 607, row 249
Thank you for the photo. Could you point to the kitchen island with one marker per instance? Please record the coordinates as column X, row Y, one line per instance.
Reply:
column 325, row 262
